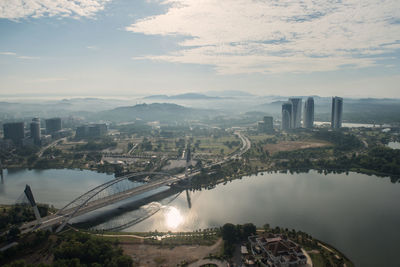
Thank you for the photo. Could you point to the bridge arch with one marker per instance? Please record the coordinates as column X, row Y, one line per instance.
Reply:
column 72, row 208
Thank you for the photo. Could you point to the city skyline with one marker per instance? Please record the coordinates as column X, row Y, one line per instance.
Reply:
column 105, row 47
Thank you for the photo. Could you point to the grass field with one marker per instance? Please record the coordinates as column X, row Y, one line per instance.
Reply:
column 214, row 145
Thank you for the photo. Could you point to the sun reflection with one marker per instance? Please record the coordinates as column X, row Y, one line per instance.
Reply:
column 173, row 217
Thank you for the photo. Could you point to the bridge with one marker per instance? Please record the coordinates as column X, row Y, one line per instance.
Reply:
column 119, row 189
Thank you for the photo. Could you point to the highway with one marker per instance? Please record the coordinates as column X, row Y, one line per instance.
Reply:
column 55, row 219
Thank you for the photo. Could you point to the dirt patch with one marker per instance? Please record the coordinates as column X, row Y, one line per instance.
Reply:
column 294, row 145
column 153, row 255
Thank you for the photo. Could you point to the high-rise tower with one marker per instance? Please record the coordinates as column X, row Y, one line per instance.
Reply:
column 296, row 112
column 337, row 111
column 14, row 131
column 35, row 131
column 308, row 121
column 286, row 115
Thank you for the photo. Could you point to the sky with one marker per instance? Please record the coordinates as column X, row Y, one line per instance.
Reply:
column 73, row 48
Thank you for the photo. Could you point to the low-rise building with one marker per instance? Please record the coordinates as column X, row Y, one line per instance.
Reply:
column 91, row 130
column 276, row 250
column 266, row 125
column 53, row 125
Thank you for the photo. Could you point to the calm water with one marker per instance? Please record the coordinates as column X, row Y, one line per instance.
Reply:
column 352, row 125
column 55, row 187
column 394, row 145
column 358, row 214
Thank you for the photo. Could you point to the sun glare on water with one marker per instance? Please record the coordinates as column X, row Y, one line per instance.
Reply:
column 173, row 217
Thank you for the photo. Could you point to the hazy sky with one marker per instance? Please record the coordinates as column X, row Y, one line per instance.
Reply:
column 124, row 47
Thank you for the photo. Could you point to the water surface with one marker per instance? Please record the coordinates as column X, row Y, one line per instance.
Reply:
column 55, row 187
column 356, row 213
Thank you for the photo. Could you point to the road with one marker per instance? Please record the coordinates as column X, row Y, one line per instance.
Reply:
column 53, row 144
column 99, row 203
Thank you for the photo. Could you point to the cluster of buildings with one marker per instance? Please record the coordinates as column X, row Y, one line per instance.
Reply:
column 292, row 113
column 15, row 133
column 276, row 250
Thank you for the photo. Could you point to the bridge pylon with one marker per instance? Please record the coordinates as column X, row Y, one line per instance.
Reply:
column 1, row 173
column 189, row 201
column 31, row 199
column 188, row 161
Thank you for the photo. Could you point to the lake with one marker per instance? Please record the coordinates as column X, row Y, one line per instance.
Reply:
column 356, row 213
column 55, row 187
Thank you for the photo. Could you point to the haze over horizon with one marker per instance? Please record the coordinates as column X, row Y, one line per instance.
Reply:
column 121, row 48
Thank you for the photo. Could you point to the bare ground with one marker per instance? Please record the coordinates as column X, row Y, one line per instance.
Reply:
column 294, row 145
column 153, row 255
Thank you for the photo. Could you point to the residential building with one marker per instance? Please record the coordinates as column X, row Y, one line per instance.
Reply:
column 91, row 130
column 286, row 115
column 337, row 111
column 296, row 112
column 266, row 125
column 35, row 131
column 14, row 131
column 53, row 125
column 308, row 121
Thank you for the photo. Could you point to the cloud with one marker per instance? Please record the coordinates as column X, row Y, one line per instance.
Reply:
column 17, row 9
column 48, row 80
column 27, row 57
column 264, row 36
column 92, row 47
column 8, row 53
column 17, row 56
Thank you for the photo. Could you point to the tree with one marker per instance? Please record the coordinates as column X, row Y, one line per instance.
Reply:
column 17, row 263
column 124, row 261
column 14, row 232
column 229, row 233
column 248, row 230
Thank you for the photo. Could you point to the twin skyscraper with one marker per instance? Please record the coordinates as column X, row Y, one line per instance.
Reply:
column 291, row 113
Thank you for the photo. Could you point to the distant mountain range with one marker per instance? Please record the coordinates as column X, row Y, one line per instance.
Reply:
column 197, row 107
column 187, row 96
column 163, row 112
column 227, row 94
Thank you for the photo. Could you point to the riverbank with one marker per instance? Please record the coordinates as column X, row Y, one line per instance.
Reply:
column 206, row 246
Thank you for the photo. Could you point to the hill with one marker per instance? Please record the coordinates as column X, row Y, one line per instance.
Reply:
column 163, row 112
column 186, row 96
